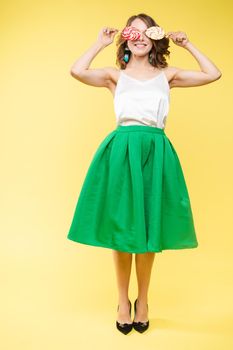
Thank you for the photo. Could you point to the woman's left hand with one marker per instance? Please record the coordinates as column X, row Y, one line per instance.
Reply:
column 178, row 38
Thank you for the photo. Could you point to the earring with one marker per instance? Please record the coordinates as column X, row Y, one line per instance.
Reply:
column 126, row 55
column 150, row 57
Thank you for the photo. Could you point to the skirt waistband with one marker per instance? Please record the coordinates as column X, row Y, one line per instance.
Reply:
column 145, row 128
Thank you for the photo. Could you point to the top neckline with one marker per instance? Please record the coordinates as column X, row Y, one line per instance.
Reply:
column 140, row 80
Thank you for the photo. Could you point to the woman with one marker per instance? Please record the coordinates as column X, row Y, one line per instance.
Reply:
column 134, row 198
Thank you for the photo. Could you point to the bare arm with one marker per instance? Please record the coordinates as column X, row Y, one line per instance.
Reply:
column 95, row 77
column 187, row 78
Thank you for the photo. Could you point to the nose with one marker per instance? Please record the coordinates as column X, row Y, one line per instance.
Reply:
column 141, row 38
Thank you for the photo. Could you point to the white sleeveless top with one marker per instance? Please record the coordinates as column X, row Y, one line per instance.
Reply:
column 142, row 102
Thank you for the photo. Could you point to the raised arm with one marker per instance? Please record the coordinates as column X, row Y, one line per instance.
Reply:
column 96, row 77
column 187, row 78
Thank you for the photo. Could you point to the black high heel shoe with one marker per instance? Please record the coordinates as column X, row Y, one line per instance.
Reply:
column 125, row 327
column 140, row 326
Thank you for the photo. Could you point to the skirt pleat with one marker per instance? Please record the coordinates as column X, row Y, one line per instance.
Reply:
column 134, row 196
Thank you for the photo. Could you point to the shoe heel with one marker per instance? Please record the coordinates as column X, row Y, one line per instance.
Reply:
column 140, row 326
column 124, row 328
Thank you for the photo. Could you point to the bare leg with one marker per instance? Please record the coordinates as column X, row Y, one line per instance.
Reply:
column 123, row 263
column 144, row 263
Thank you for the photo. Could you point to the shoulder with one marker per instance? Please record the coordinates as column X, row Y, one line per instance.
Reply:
column 113, row 73
column 170, row 72
column 171, row 69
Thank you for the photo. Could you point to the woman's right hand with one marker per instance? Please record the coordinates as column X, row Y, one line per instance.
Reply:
column 106, row 35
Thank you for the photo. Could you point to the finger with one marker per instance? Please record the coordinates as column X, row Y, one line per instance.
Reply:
column 111, row 30
column 106, row 29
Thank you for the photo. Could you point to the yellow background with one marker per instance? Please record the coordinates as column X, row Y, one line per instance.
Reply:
column 58, row 294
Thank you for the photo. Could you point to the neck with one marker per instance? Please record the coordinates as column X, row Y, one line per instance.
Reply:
column 138, row 62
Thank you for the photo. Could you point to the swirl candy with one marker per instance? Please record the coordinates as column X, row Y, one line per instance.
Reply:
column 154, row 32
column 129, row 33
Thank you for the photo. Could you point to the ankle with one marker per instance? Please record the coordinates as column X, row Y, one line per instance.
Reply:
column 142, row 301
column 124, row 301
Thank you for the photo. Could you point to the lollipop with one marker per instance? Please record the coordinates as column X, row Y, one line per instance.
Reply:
column 154, row 32
column 130, row 33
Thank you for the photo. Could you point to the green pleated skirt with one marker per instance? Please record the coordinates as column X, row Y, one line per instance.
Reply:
column 134, row 196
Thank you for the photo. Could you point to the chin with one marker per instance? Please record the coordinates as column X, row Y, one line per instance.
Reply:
column 140, row 54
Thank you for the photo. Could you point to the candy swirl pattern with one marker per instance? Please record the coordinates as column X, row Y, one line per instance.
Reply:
column 154, row 32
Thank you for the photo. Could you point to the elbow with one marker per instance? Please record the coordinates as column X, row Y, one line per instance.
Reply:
column 76, row 74
column 217, row 76
column 214, row 77
column 73, row 73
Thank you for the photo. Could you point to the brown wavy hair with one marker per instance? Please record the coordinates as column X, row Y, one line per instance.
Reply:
column 159, row 49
